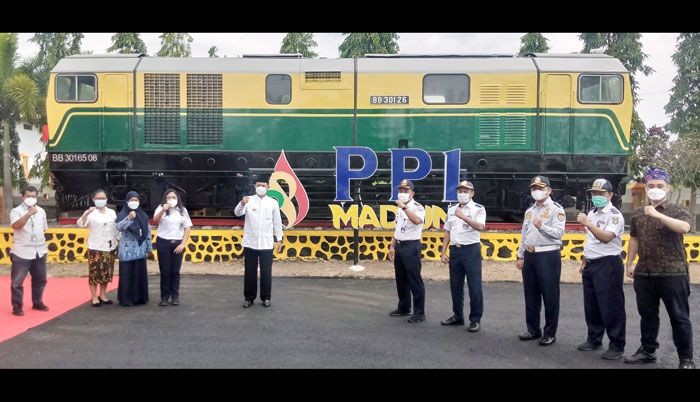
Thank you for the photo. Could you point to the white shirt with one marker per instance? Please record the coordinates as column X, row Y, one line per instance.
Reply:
column 172, row 226
column 460, row 231
column 262, row 218
column 405, row 229
column 607, row 219
column 29, row 241
column 102, row 235
column 552, row 229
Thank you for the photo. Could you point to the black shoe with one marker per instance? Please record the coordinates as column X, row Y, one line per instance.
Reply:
column 399, row 313
column 247, row 303
column 452, row 321
column 163, row 302
column 529, row 336
column 641, row 356
column 40, row 307
column 106, row 301
column 547, row 340
column 127, row 304
column 612, row 354
column 175, row 301
column 266, row 303
column 98, row 304
column 686, row 364
column 474, row 327
column 416, row 318
column 17, row 311
column 588, row 346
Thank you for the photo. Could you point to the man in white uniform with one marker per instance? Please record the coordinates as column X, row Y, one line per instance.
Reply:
column 405, row 252
column 464, row 221
column 262, row 231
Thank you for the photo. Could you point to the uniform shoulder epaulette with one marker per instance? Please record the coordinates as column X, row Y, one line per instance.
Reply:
column 418, row 204
column 614, row 211
column 592, row 209
column 557, row 204
column 478, row 205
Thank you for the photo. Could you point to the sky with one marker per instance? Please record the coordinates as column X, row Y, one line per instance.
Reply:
column 654, row 90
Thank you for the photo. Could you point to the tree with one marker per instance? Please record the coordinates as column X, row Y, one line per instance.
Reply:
column 175, row 45
column 127, row 42
column 626, row 47
column 358, row 44
column 19, row 98
column 299, row 42
column 52, row 48
column 533, row 43
column 684, row 108
column 212, row 51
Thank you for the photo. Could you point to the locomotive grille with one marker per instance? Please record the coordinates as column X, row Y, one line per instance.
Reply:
column 162, row 113
column 516, row 94
column 516, row 130
column 490, row 94
column 204, row 109
column 326, row 76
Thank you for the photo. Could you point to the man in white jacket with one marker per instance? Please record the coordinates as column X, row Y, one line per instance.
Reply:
column 262, row 232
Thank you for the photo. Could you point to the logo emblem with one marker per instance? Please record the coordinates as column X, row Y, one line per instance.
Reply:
column 285, row 174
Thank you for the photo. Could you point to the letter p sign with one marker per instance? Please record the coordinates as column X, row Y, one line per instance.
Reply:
column 343, row 173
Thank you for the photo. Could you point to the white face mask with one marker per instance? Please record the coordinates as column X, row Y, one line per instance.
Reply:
column 464, row 198
column 404, row 197
column 100, row 203
column 260, row 190
column 30, row 201
column 656, row 194
column 538, row 195
column 133, row 204
column 172, row 202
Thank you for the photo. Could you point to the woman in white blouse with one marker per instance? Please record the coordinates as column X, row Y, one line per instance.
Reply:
column 102, row 246
column 174, row 227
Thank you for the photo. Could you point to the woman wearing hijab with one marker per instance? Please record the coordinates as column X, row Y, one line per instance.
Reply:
column 174, row 225
column 134, row 247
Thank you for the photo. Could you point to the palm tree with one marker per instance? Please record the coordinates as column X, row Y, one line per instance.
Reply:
column 19, row 100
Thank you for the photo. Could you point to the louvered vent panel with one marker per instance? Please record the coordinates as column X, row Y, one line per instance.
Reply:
column 204, row 109
column 162, row 112
column 490, row 94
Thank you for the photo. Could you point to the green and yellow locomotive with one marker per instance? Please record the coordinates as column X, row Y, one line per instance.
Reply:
column 205, row 125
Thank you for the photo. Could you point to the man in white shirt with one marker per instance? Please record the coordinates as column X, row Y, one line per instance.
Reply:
column 29, row 251
column 262, row 221
column 464, row 222
column 405, row 252
column 602, row 272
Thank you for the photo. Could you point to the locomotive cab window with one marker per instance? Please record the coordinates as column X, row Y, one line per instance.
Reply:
column 600, row 89
column 448, row 89
column 76, row 88
column 278, row 89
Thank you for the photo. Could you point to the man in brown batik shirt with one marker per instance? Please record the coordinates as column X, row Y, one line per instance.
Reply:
column 656, row 235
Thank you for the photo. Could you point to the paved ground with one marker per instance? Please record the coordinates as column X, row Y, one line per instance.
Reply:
column 314, row 323
column 432, row 270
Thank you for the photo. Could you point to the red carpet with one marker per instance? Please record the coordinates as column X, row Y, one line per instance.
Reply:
column 61, row 295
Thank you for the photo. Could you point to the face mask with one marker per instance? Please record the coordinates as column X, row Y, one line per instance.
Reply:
column 599, row 201
column 172, row 202
column 656, row 194
column 260, row 190
column 464, row 198
column 133, row 204
column 30, row 201
column 100, row 203
column 538, row 195
column 404, row 197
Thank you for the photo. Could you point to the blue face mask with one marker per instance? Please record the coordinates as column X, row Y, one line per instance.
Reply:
column 599, row 201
